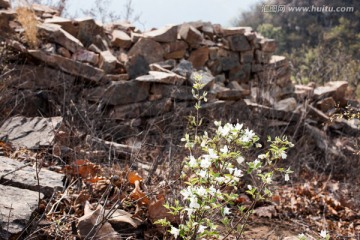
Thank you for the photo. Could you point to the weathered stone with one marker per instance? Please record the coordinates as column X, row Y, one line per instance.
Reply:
column 124, row 26
column 4, row 4
column 191, row 35
column 288, row 105
column 184, row 68
column 136, row 36
column 303, row 92
column 56, row 34
column 247, row 56
column 215, row 66
column 117, row 77
column 262, row 57
column 230, row 95
column 326, row 104
column 17, row 206
column 68, row 25
column 324, row 91
column 150, row 49
column 208, row 30
column 107, row 61
column 94, row 48
column 37, row 78
column 164, row 66
column 340, row 89
column 120, row 39
column 42, row 9
column 199, row 57
column 120, row 93
column 18, row 174
column 317, row 115
column 137, row 66
column 64, row 52
column 235, row 31
column 244, row 89
column 170, row 91
column 268, row 45
column 278, row 61
column 240, row 73
column 69, row 66
column 88, row 30
column 163, row 35
column 175, row 50
column 31, row 133
column 86, row 56
column 143, row 109
column 101, row 43
column 162, row 77
column 239, row 42
column 5, row 17
column 257, row 67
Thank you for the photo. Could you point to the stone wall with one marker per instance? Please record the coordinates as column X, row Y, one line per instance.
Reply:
column 129, row 77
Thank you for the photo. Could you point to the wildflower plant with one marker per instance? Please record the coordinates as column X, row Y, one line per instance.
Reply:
column 215, row 171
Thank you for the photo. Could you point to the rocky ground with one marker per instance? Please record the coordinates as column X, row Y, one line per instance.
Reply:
column 91, row 118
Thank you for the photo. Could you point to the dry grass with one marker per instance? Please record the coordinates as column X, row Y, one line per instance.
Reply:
column 27, row 19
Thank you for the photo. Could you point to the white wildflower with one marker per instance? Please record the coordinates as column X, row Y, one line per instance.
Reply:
column 283, row 155
column 192, row 162
column 212, row 190
column 174, row 231
column 237, row 172
column 240, row 160
column 205, row 162
column 194, row 203
column 201, row 191
column 225, row 149
column 226, row 211
column 323, row 234
column 238, row 126
column 212, row 153
column 248, row 135
column 202, row 173
column 201, row 229
column 287, row 178
column 186, row 192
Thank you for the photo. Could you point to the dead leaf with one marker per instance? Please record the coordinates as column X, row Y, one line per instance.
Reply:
column 158, row 211
column 133, row 177
column 119, row 217
column 138, row 195
column 83, row 168
column 92, row 224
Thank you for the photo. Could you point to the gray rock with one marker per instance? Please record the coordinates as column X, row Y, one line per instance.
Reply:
column 107, row 61
column 120, row 93
column 16, row 207
column 165, row 34
column 184, row 68
column 30, row 133
column 150, row 49
column 55, row 33
column 68, row 65
column 20, row 175
column 120, row 39
column 162, row 77
column 137, row 66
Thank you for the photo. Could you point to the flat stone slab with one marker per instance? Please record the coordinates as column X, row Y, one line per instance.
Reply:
column 16, row 207
column 30, row 133
column 18, row 174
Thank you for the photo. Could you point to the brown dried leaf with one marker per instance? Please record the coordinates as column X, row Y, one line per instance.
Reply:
column 120, row 216
column 83, row 168
column 92, row 224
column 158, row 211
column 133, row 177
column 138, row 195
